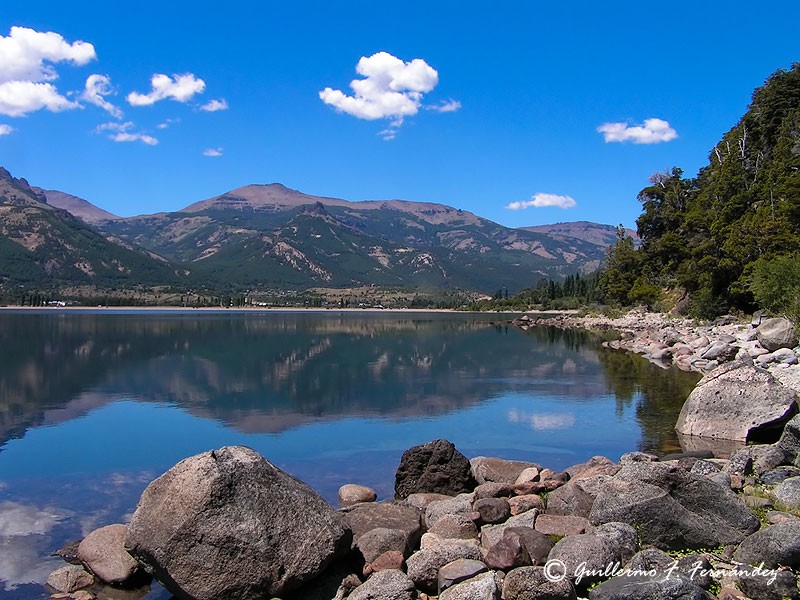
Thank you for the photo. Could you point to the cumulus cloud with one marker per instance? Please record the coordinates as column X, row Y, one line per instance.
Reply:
column 212, row 152
column 215, row 105
column 97, row 88
column 541, row 200
column 121, row 132
column 25, row 71
column 5, row 129
column 652, row 131
column 180, row 88
column 24, row 52
column 390, row 89
column 445, row 106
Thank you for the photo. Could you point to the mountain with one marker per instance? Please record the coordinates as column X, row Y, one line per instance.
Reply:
column 77, row 207
column 42, row 245
column 594, row 233
column 270, row 235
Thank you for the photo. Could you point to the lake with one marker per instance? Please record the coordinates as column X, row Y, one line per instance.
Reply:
column 95, row 404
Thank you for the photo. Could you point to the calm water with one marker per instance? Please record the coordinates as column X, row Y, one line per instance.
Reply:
column 94, row 406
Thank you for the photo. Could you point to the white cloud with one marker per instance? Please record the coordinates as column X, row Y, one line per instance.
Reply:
column 97, row 88
column 25, row 76
column 212, row 152
column 652, row 131
column 168, row 123
column 18, row 98
column 121, row 132
column 5, row 129
column 445, row 106
column 541, row 200
column 24, row 52
column 215, row 105
column 181, row 89
column 390, row 89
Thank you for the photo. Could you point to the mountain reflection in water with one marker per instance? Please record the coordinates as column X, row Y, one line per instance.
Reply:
column 94, row 405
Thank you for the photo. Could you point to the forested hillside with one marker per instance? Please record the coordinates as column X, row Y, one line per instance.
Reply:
column 728, row 238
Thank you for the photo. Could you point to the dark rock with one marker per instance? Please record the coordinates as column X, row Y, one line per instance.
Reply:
column 492, row 510
column 363, row 518
column 720, row 351
column 677, row 587
column 433, row 467
column 776, row 545
column 498, row 470
column 390, row 584
column 229, row 524
column 509, row 552
column 704, row 468
column 764, row 587
column 491, row 534
column 776, row 333
column 338, row 580
column 584, row 553
column 624, row 539
column 736, row 402
column 69, row 553
column 674, row 508
column 537, row 544
column 530, row 583
column 69, row 579
column 103, row 553
column 351, row 493
column 459, row 570
column 561, row 525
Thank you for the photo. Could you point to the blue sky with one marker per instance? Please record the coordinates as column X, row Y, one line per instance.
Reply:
column 527, row 85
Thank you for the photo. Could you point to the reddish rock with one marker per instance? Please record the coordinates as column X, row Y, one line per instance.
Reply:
column 561, row 525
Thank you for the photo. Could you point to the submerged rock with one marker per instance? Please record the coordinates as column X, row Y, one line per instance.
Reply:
column 229, row 524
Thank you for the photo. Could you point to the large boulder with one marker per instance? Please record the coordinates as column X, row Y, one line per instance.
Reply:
column 433, row 467
column 736, row 401
column 673, row 508
column 391, row 584
column 777, row 545
column 777, row 333
column 789, row 443
column 649, row 587
column 533, row 583
column 363, row 518
column 230, row 524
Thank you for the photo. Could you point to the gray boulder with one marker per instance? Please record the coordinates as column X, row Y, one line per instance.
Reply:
column 673, row 508
column 69, row 579
column 433, row 467
column 499, row 470
column 230, row 524
column 583, row 554
column 363, row 518
column 577, row 496
column 734, row 402
column 789, row 443
column 381, row 539
column 776, row 333
column 720, row 351
column 762, row 586
column 531, row 583
column 776, row 545
column 390, row 584
column 103, row 553
column 459, row 570
column 787, row 494
column 481, row 587
column 492, row 510
column 423, row 566
column 676, row 587
column 457, row 505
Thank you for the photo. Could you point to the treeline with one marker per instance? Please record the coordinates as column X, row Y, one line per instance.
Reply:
column 573, row 292
column 728, row 239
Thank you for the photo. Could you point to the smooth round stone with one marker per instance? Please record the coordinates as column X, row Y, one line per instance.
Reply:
column 351, row 493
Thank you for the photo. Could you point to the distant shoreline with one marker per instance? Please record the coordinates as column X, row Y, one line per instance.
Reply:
column 263, row 309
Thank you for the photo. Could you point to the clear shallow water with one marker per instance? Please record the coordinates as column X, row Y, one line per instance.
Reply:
column 94, row 406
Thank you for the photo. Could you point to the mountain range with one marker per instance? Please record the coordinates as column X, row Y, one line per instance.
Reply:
column 261, row 236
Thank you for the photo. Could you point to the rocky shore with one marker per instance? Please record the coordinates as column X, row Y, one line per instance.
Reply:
column 228, row 524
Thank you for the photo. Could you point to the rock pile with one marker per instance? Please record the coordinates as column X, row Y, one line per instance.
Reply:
column 228, row 524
